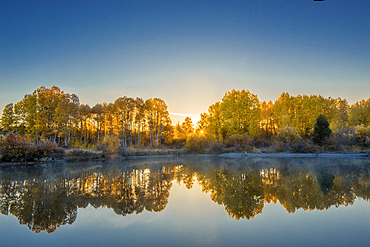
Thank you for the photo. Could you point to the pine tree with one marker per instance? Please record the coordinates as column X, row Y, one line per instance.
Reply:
column 321, row 130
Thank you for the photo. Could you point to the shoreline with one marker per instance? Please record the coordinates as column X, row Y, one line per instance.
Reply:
column 223, row 155
column 295, row 155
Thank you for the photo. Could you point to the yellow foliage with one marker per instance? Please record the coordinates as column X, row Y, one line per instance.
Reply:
column 91, row 146
column 110, row 144
column 196, row 143
column 363, row 135
column 288, row 134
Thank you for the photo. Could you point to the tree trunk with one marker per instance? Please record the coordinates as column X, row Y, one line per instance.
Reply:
column 123, row 136
column 98, row 127
column 150, row 138
column 157, row 134
column 160, row 133
column 138, row 136
column 85, row 134
column 131, row 134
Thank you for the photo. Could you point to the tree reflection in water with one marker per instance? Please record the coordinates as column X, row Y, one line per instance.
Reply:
column 44, row 202
column 45, row 198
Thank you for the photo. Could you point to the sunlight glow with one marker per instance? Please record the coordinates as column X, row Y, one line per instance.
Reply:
column 194, row 117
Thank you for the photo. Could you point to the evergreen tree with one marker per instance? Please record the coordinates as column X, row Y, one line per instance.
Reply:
column 321, row 130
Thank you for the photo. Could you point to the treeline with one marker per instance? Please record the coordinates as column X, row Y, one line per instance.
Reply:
column 241, row 112
column 50, row 114
column 239, row 119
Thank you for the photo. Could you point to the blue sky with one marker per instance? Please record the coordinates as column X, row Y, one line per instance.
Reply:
column 189, row 53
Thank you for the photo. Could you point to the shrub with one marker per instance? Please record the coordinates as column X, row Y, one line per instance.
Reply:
column 46, row 147
column 261, row 142
column 196, row 143
column 110, row 144
column 240, row 141
column 288, row 134
column 216, row 147
column 367, row 141
column 91, row 146
column 60, row 151
column 362, row 135
column 2, row 138
column 256, row 150
column 76, row 152
column 306, row 146
column 82, row 154
column 15, row 148
column 340, row 139
column 346, row 136
column 75, row 143
column 279, row 147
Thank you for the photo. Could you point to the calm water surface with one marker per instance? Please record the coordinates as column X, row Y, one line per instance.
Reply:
column 189, row 201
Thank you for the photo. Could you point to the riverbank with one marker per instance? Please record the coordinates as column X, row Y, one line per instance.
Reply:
column 85, row 154
column 295, row 155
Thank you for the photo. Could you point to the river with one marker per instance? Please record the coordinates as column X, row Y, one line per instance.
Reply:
column 187, row 201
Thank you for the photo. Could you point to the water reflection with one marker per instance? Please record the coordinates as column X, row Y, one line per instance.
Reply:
column 44, row 198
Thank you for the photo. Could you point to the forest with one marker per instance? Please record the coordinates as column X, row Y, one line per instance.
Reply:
column 240, row 121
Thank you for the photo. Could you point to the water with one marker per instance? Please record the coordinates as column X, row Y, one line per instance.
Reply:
column 190, row 201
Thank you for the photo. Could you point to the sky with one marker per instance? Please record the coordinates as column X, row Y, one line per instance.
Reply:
column 188, row 53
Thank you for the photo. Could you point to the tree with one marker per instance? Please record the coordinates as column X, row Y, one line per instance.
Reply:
column 215, row 123
column 301, row 112
column 321, row 130
column 240, row 112
column 282, row 110
column 202, row 124
column 268, row 120
column 97, row 112
column 29, row 104
column 19, row 117
column 85, row 112
column 341, row 116
column 8, row 118
column 288, row 134
column 187, row 126
column 139, row 118
column 359, row 113
column 157, row 118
